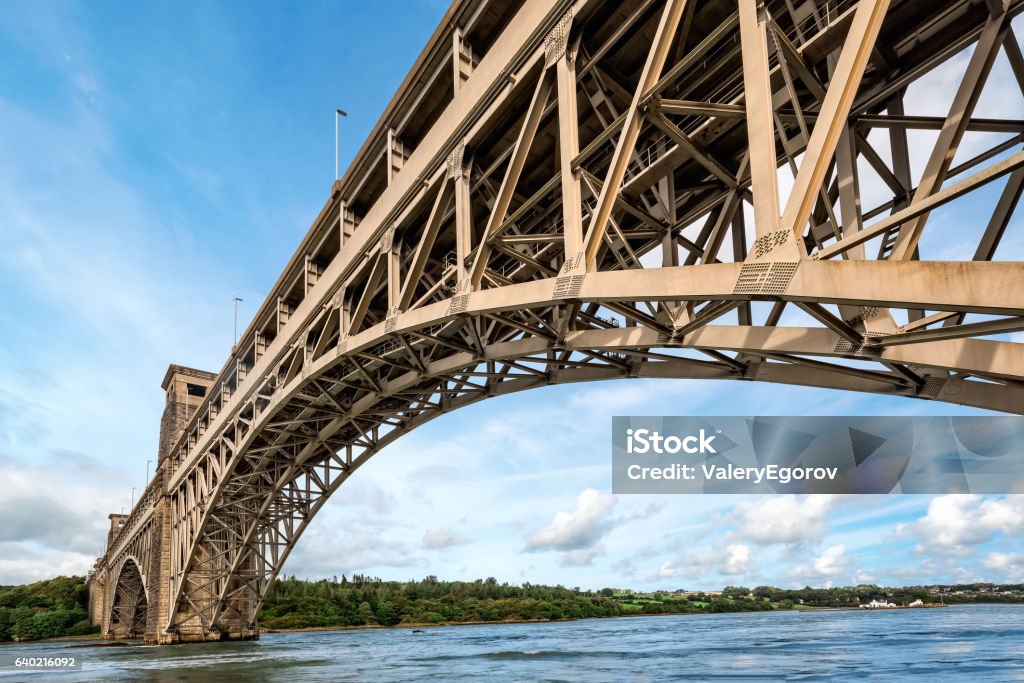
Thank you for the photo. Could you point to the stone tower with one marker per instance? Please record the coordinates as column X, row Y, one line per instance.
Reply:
column 186, row 390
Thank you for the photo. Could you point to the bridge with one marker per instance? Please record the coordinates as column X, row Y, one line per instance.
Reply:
column 578, row 190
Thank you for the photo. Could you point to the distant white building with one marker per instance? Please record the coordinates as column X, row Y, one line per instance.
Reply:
column 875, row 604
column 916, row 603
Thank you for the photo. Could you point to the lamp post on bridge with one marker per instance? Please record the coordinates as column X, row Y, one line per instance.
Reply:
column 234, row 335
column 147, row 471
column 337, row 114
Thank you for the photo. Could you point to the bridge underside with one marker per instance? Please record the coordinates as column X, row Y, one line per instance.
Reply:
column 586, row 190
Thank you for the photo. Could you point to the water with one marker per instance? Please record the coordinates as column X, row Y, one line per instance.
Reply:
column 962, row 643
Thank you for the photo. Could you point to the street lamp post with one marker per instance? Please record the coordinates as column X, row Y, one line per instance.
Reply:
column 234, row 333
column 337, row 113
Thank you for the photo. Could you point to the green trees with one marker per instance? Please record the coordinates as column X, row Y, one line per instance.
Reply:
column 47, row 609
column 366, row 614
column 55, row 623
column 22, row 627
column 368, row 601
column 386, row 614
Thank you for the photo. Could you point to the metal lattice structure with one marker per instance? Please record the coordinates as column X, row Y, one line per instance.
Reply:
column 129, row 607
column 578, row 190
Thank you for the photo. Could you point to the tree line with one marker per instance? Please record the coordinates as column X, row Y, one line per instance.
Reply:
column 369, row 601
column 58, row 607
column 365, row 601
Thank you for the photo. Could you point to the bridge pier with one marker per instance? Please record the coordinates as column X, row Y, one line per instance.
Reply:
column 199, row 636
column 159, row 560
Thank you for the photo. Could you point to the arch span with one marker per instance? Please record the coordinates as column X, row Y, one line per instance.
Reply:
column 129, row 604
column 308, row 434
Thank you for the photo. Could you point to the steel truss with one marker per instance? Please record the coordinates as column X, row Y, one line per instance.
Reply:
column 597, row 196
column 129, row 604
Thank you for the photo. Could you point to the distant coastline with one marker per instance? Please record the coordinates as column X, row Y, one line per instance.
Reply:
column 428, row 625
column 425, row 625
column 359, row 601
column 56, row 608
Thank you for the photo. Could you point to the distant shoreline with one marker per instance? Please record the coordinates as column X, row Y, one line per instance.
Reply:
column 101, row 642
column 414, row 626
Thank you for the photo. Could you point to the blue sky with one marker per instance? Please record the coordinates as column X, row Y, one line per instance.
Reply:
column 157, row 160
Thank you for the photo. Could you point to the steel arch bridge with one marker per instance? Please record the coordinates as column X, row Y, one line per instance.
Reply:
column 577, row 190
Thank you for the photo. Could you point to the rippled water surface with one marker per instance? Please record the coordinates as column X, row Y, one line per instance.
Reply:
column 964, row 643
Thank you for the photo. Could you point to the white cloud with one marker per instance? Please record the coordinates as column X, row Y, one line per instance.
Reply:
column 582, row 557
column 732, row 560
column 436, row 538
column 738, row 560
column 830, row 564
column 580, row 529
column 1009, row 566
column 783, row 519
column 863, row 577
column 957, row 522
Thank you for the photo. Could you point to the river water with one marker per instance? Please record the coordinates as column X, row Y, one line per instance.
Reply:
column 961, row 643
